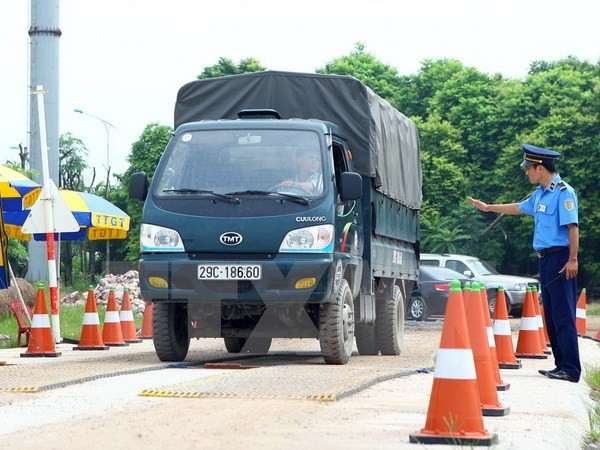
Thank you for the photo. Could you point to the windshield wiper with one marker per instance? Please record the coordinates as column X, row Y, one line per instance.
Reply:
column 229, row 197
column 295, row 198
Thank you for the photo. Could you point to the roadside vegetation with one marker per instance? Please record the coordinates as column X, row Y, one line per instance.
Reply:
column 71, row 319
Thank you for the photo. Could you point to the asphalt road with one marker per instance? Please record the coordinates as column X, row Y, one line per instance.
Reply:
column 289, row 399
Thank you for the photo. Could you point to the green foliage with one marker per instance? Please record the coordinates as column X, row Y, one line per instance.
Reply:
column 226, row 66
column 72, row 162
column 471, row 126
column 380, row 77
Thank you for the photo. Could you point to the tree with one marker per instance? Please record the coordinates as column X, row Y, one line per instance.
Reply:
column 226, row 66
column 381, row 78
column 72, row 162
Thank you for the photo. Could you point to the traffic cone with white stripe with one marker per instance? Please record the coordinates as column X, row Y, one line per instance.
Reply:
column 111, row 332
column 580, row 317
column 486, row 380
column 40, row 342
column 500, row 384
column 146, row 332
column 126, row 318
column 503, row 335
column 538, row 315
column 528, row 343
column 91, row 335
column 546, row 337
column 454, row 414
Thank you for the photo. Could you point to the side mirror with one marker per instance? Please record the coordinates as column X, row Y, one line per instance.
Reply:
column 350, row 186
column 468, row 273
column 138, row 186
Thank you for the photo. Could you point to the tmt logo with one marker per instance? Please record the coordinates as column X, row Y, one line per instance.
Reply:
column 231, row 238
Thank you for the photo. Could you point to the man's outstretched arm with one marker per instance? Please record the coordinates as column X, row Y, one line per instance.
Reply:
column 502, row 208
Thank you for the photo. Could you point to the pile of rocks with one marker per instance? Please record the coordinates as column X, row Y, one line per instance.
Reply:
column 119, row 282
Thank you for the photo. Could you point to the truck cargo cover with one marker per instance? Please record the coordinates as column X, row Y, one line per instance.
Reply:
column 384, row 142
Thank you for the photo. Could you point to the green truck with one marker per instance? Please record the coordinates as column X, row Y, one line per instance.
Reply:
column 238, row 241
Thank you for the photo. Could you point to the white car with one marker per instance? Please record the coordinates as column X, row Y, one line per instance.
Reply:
column 515, row 287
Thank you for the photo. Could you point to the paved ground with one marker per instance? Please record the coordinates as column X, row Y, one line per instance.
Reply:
column 109, row 412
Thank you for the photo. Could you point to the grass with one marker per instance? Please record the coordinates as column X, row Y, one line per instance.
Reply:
column 71, row 321
column 592, row 309
column 592, row 378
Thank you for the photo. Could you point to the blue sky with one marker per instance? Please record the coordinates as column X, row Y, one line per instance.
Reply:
column 124, row 60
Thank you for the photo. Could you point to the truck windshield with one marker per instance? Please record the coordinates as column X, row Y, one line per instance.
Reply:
column 250, row 162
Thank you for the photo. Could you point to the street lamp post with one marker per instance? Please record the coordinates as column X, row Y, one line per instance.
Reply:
column 107, row 129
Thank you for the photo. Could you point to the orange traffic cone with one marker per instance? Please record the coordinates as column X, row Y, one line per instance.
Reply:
column 454, row 414
column 111, row 333
column 580, row 319
column 502, row 334
column 91, row 336
column 500, row 384
column 146, row 332
column 528, row 343
column 546, row 337
column 486, row 380
column 126, row 318
column 41, row 342
column 538, row 315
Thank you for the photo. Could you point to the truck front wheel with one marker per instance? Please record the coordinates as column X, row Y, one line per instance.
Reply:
column 170, row 331
column 336, row 327
column 390, row 323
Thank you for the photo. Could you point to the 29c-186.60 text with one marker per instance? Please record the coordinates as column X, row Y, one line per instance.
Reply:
column 229, row 272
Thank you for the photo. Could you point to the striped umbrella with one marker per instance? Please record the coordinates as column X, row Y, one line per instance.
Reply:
column 16, row 190
column 98, row 219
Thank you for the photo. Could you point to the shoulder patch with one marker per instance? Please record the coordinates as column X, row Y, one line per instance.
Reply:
column 569, row 204
column 562, row 185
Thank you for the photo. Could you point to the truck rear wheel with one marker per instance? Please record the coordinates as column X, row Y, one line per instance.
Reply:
column 367, row 341
column 336, row 327
column 253, row 345
column 390, row 323
column 170, row 331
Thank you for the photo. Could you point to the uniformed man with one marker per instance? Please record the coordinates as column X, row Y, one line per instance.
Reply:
column 554, row 207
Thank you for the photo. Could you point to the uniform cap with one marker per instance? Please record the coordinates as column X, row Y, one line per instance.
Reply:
column 537, row 155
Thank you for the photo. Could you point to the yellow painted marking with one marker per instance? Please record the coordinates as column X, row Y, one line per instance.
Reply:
column 26, row 390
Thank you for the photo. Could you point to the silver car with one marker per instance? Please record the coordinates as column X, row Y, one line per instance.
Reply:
column 515, row 287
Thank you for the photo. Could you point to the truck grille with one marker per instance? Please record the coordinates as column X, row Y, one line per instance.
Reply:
column 229, row 287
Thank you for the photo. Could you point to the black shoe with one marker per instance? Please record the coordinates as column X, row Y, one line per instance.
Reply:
column 546, row 372
column 562, row 375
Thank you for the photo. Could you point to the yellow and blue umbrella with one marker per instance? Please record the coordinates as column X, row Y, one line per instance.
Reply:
column 98, row 219
column 16, row 190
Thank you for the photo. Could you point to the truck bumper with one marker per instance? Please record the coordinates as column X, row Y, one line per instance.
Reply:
column 174, row 278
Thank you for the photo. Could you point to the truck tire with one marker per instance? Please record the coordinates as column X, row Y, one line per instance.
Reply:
column 390, row 323
column 170, row 331
column 417, row 309
column 336, row 327
column 243, row 345
column 366, row 339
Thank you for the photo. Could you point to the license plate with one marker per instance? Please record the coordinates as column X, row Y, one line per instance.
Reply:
column 229, row 272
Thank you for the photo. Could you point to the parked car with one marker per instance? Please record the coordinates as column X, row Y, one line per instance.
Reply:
column 515, row 287
column 430, row 296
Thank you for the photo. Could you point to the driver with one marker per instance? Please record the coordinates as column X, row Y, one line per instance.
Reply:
column 308, row 174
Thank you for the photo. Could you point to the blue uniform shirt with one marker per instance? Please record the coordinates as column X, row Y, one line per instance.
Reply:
column 553, row 209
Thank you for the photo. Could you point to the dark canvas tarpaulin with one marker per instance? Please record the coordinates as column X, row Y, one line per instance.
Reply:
column 383, row 141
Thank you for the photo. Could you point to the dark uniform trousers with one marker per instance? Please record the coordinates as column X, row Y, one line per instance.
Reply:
column 559, row 297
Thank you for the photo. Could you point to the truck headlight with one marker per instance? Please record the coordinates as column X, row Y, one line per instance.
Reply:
column 317, row 239
column 160, row 239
